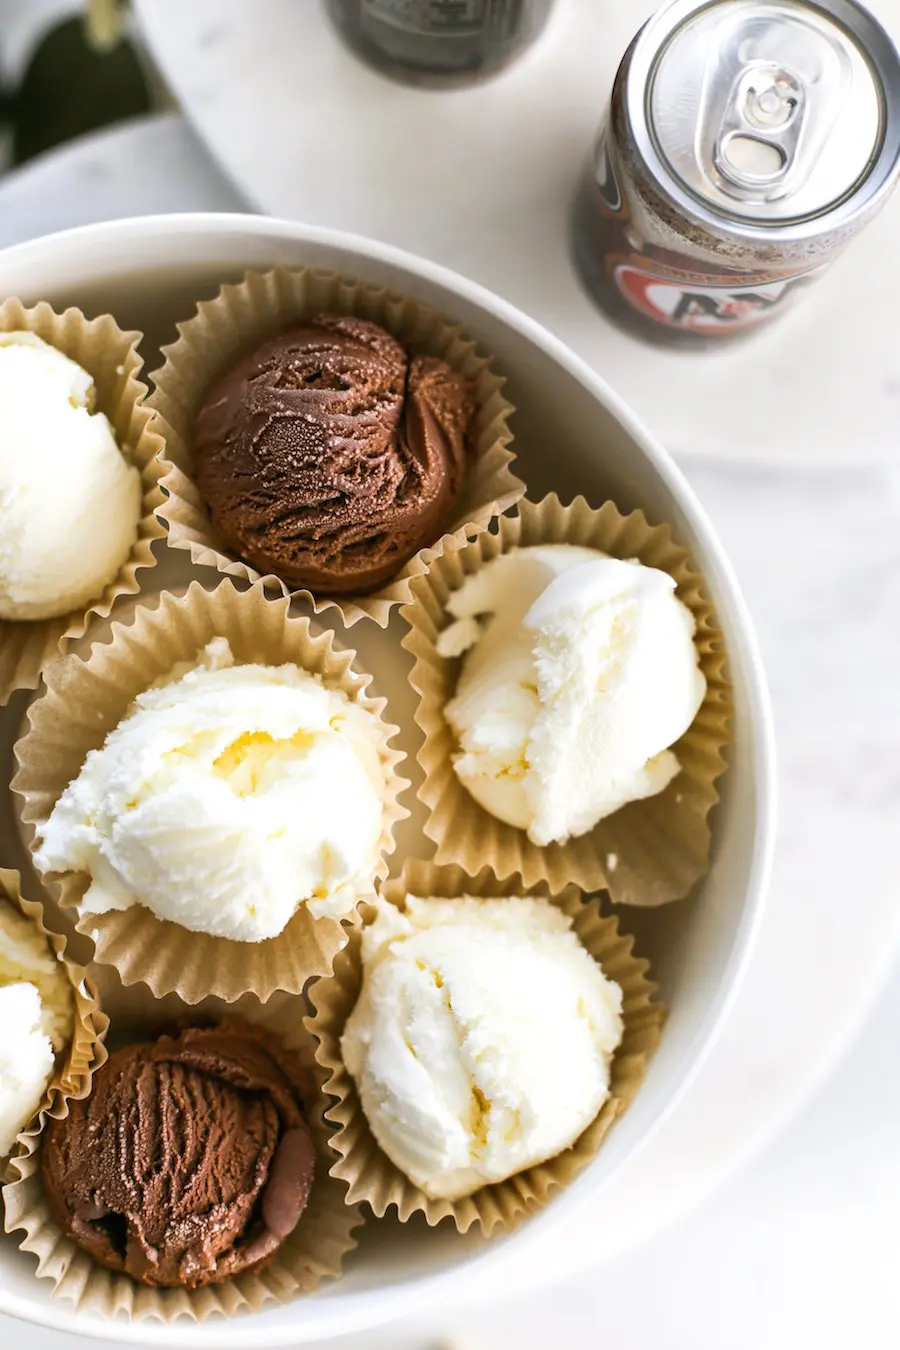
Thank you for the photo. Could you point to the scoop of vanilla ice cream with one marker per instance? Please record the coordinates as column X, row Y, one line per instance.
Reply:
column 482, row 1038
column 69, row 501
column 580, row 671
column 36, row 1014
column 225, row 800
column 26, row 1060
column 26, row 955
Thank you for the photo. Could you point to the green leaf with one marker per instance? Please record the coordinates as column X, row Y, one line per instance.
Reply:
column 69, row 89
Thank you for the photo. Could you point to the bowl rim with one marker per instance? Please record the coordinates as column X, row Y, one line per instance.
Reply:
column 367, row 1309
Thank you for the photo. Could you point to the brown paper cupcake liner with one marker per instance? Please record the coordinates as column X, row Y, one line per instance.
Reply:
column 111, row 357
column 85, row 1051
column 241, row 315
column 648, row 853
column 314, row 1252
column 86, row 697
column 368, row 1173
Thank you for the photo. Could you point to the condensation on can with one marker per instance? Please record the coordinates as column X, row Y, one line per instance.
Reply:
column 746, row 144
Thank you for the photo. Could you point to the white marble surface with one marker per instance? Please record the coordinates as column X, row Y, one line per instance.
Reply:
column 485, row 176
column 799, row 1242
column 116, row 173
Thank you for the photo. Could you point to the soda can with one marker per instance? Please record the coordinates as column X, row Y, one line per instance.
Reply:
column 440, row 42
column 746, row 144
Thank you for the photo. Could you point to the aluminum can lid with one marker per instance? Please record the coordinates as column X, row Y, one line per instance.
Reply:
column 769, row 112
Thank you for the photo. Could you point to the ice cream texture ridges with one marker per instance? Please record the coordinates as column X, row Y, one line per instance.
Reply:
column 228, row 796
column 482, row 1038
column 70, row 503
column 328, row 455
column 189, row 1163
column 579, row 672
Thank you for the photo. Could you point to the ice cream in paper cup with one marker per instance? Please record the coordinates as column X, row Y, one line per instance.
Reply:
column 79, row 480
column 461, row 1091
column 573, row 700
column 274, row 418
column 213, row 791
column 53, row 1024
column 205, row 1041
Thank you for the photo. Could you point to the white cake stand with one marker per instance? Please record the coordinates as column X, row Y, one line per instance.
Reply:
column 481, row 179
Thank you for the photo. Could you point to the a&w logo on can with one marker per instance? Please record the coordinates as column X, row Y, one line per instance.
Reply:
column 704, row 305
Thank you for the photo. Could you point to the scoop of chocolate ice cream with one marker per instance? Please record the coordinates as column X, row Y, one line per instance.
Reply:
column 189, row 1162
column 328, row 457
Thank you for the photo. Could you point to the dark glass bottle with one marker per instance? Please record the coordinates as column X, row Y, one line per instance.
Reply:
column 440, row 42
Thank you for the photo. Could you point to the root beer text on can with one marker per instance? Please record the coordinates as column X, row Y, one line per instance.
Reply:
column 747, row 142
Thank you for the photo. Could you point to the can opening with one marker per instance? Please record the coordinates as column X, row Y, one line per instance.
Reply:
column 771, row 112
column 748, row 160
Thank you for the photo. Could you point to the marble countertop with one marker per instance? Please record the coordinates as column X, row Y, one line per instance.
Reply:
column 803, row 1240
column 486, row 177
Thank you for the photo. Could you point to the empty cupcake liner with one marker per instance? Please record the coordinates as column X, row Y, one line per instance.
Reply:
column 87, row 696
column 648, row 853
column 264, row 302
column 367, row 1172
column 111, row 356
column 85, row 1051
column 314, row 1252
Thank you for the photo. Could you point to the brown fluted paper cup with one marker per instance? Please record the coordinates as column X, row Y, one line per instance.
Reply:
column 265, row 302
column 84, row 1053
column 86, row 697
column 368, row 1173
column 314, row 1252
column 647, row 853
column 111, row 356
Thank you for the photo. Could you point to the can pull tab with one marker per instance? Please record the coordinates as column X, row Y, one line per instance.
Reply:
column 772, row 89
column 759, row 135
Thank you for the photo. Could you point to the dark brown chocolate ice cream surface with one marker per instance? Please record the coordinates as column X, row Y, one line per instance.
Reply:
column 328, row 456
column 189, row 1162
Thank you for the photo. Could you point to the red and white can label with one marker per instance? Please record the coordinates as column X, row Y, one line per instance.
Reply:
column 700, row 303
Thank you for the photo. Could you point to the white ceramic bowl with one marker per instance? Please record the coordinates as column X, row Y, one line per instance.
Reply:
column 573, row 435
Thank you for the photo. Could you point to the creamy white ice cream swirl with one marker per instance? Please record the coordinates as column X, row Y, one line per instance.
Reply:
column 226, row 799
column 36, row 1012
column 580, row 671
column 482, row 1038
column 70, row 503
